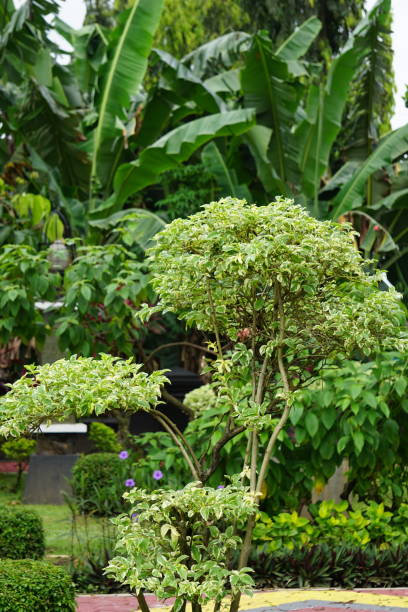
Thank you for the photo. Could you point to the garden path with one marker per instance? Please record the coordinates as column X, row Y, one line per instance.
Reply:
column 299, row 600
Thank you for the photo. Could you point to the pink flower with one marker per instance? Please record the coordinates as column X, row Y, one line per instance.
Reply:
column 243, row 334
column 376, row 228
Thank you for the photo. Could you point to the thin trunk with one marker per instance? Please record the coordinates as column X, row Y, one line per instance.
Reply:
column 246, row 545
column 142, row 602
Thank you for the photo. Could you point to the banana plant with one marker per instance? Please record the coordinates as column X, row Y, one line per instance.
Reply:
column 124, row 77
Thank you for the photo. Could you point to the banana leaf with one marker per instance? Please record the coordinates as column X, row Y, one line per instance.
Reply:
column 317, row 133
column 221, row 52
column 185, row 84
column 389, row 201
column 258, row 138
column 342, row 176
column 124, row 77
column 224, row 176
column 352, row 193
column 224, row 82
column 299, row 42
column 175, row 147
column 269, row 88
column 135, row 226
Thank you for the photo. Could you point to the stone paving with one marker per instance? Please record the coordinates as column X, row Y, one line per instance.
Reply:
column 301, row 600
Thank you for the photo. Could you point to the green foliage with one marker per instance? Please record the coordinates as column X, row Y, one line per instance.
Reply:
column 35, row 585
column 281, row 18
column 98, row 483
column 26, row 218
column 159, row 453
column 229, row 254
column 93, row 546
column 328, row 566
column 104, row 438
column 200, row 399
column 371, row 105
column 335, row 525
column 77, row 386
column 103, row 287
column 185, row 189
column 25, row 278
column 187, row 24
column 356, row 410
column 19, row 450
column 21, row 534
column 124, row 76
column 193, row 534
column 174, row 147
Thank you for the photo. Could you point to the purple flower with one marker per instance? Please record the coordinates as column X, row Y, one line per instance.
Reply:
column 135, row 517
column 158, row 475
column 220, row 487
column 129, row 482
column 123, row 455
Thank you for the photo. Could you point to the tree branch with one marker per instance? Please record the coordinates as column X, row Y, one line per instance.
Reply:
column 214, row 318
column 176, row 402
column 156, row 414
column 170, row 344
column 215, row 455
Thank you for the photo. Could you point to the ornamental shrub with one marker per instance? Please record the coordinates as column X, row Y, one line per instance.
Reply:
column 98, row 483
column 179, row 543
column 104, row 438
column 19, row 451
column 200, row 399
column 333, row 524
column 21, row 534
column 35, row 586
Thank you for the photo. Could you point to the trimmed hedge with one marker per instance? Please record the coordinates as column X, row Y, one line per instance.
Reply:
column 21, row 534
column 35, row 586
column 98, row 483
column 329, row 566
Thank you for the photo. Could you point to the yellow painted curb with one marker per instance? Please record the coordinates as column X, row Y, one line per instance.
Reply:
column 287, row 596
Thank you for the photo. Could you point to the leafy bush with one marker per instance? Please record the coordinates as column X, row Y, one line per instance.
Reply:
column 98, row 483
column 19, row 450
column 334, row 524
column 178, row 543
column 21, row 534
column 104, row 438
column 25, row 278
column 103, row 287
column 326, row 566
column 200, row 399
column 80, row 386
column 35, row 585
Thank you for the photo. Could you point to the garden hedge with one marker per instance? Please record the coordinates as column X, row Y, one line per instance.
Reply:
column 35, row 586
column 21, row 534
column 98, row 483
column 330, row 566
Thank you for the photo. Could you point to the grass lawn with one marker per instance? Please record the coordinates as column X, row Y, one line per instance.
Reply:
column 56, row 520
